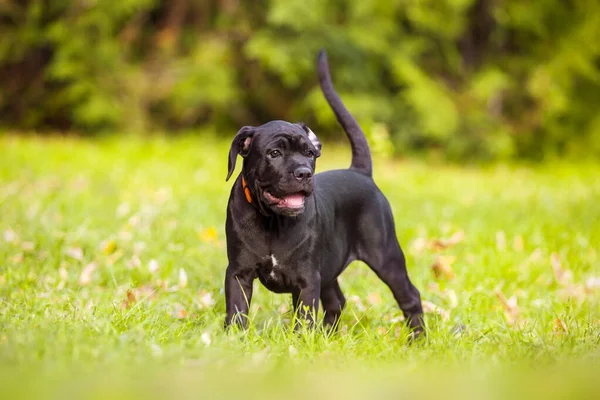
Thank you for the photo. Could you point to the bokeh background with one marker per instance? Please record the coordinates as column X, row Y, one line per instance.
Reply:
column 463, row 79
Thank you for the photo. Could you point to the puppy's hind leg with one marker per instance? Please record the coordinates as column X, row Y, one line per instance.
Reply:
column 390, row 267
column 333, row 301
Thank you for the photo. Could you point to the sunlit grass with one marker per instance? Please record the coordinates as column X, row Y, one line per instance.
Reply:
column 112, row 262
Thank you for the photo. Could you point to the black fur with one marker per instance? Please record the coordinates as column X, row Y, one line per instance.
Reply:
column 302, row 248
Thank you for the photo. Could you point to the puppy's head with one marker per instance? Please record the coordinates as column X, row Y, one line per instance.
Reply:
column 279, row 164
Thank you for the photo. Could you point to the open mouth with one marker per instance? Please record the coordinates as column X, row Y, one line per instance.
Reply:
column 291, row 201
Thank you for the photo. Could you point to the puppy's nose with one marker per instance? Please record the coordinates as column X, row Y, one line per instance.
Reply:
column 302, row 173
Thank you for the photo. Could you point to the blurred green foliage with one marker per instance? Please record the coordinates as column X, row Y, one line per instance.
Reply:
column 468, row 78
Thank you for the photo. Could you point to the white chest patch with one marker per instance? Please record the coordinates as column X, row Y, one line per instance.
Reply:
column 274, row 265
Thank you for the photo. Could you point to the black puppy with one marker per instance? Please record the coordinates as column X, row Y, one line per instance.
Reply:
column 297, row 232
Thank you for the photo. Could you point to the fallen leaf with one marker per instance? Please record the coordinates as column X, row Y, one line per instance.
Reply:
column 179, row 312
column 563, row 276
column 87, row 274
column 456, row 238
column 436, row 245
column 134, row 262
column 560, row 328
column 183, row 279
column 131, row 296
column 429, row 307
column 129, row 301
column 511, row 308
column 358, row 302
column 573, row 292
column 206, row 299
column 75, row 252
column 442, row 244
column 28, row 246
column 442, row 267
column 283, row 308
column 419, row 244
column 374, row 298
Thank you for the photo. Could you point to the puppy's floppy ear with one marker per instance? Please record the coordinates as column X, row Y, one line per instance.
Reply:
column 312, row 137
column 240, row 145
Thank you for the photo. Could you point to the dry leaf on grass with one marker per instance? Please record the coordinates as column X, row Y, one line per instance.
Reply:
column 179, row 312
column 283, row 308
column 374, row 298
column 206, row 299
column 418, row 245
column 134, row 262
column 429, row 307
column 573, row 292
column 563, row 276
column 129, row 301
column 28, row 246
column 75, row 252
column 560, row 328
column 17, row 258
column 87, row 274
column 358, row 302
column 535, row 257
column 511, row 308
column 442, row 244
column 421, row 243
column 442, row 267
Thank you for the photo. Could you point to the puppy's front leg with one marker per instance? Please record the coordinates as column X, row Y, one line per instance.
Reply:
column 238, row 294
column 306, row 301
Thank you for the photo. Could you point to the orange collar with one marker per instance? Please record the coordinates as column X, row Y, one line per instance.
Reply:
column 246, row 190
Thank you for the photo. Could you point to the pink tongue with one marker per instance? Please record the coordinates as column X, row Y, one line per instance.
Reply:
column 294, row 200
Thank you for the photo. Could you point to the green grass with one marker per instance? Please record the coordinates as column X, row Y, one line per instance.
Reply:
column 82, row 223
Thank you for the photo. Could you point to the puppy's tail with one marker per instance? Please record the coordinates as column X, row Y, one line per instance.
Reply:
column 361, row 154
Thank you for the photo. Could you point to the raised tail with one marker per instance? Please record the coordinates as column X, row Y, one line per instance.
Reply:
column 361, row 154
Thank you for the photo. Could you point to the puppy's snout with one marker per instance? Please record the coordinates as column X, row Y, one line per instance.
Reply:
column 303, row 173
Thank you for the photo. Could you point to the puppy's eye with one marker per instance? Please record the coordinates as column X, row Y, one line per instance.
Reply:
column 310, row 154
column 274, row 153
